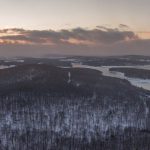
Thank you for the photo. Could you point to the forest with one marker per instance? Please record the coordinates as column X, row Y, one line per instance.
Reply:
column 44, row 107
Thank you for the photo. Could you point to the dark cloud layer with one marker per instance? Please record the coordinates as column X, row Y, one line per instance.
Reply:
column 98, row 36
column 98, row 41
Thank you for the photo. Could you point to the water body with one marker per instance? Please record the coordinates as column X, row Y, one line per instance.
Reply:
column 142, row 83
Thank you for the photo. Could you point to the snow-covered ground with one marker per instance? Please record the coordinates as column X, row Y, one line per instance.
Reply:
column 70, row 59
column 5, row 67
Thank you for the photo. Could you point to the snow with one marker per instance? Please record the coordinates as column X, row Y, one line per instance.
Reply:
column 146, row 109
column 20, row 61
column 69, row 76
column 70, row 59
column 77, row 84
column 14, row 60
column 5, row 67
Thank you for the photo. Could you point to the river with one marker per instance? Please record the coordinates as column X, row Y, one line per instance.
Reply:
column 142, row 83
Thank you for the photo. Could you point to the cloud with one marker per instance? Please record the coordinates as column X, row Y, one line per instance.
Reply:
column 99, row 41
column 75, row 36
column 124, row 26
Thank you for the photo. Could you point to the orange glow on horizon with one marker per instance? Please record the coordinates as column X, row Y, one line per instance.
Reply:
column 144, row 35
column 78, row 42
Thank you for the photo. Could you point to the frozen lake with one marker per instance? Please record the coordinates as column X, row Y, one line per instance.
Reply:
column 145, row 84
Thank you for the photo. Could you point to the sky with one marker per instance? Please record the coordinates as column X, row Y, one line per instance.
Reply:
column 78, row 27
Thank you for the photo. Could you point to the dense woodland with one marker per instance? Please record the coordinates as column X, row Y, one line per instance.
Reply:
column 43, row 107
column 134, row 73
